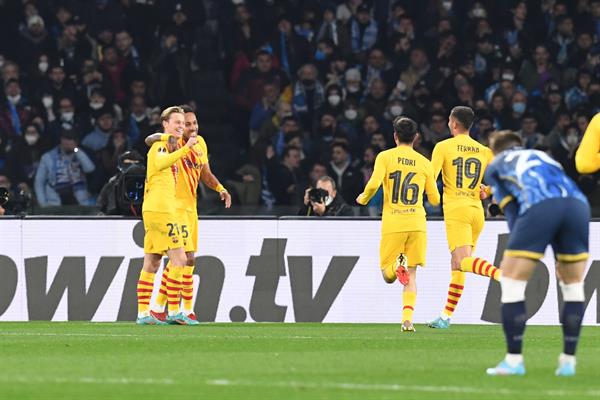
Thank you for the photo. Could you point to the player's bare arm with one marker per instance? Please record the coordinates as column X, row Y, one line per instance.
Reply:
column 212, row 182
column 151, row 139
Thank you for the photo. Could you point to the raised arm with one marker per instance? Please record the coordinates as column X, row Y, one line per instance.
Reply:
column 155, row 137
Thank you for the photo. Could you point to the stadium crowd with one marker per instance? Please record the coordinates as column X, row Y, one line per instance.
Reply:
column 313, row 85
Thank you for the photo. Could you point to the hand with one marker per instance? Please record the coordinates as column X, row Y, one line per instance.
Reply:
column 270, row 152
column 291, row 189
column 483, row 192
column 226, row 197
column 306, row 198
column 318, row 208
column 2, row 210
column 192, row 141
column 360, row 199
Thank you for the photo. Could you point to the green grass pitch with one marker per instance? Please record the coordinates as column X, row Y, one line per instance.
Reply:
column 282, row 361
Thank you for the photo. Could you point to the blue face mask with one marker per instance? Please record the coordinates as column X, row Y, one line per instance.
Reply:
column 519, row 108
column 320, row 55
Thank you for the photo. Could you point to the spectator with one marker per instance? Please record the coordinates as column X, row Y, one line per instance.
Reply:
column 309, row 96
column 284, row 177
column 347, row 178
column 97, row 139
column 138, row 122
column 291, row 49
column 577, row 94
column 15, row 111
column 60, row 178
column 534, row 73
column 264, row 109
column 24, row 157
column 35, row 41
column 68, row 119
column 334, row 30
column 363, row 32
column 330, row 205
column 532, row 139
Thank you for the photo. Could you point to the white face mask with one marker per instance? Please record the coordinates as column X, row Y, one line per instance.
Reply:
column 47, row 101
column 447, row 5
column 353, row 89
column 43, row 67
column 396, row 110
column 14, row 99
column 67, row 116
column 351, row 114
column 237, row 2
column 31, row 138
column 334, row 99
column 478, row 12
column 572, row 140
column 96, row 105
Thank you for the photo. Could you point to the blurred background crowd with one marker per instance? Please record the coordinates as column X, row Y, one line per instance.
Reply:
column 285, row 91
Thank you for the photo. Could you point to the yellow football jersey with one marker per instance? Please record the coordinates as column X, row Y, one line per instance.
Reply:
column 462, row 161
column 405, row 176
column 159, row 191
column 189, row 170
column 587, row 158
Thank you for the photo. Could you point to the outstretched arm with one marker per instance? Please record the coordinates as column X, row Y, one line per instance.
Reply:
column 155, row 137
column 210, row 180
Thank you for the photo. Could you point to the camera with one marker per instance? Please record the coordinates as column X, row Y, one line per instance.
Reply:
column 15, row 204
column 317, row 195
column 130, row 186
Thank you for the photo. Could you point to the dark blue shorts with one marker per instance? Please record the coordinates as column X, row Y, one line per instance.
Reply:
column 562, row 223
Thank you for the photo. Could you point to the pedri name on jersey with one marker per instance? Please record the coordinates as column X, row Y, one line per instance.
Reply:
column 407, row 161
column 467, row 149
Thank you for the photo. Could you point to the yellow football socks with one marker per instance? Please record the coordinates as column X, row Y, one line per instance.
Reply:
column 479, row 266
column 161, row 298
column 455, row 289
column 174, row 289
column 187, row 289
column 145, row 286
column 408, row 300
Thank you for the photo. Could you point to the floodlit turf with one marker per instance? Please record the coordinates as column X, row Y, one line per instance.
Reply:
column 282, row 361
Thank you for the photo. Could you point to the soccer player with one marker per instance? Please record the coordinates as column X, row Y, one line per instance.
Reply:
column 462, row 161
column 587, row 158
column 163, row 234
column 542, row 206
column 405, row 176
column 192, row 168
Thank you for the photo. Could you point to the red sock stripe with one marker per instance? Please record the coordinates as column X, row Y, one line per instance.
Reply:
column 475, row 261
column 451, row 309
column 146, row 303
column 173, row 288
column 187, row 283
column 173, row 303
column 187, row 290
column 173, row 281
column 141, row 282
column 453, row 294
column 187, row 297
column 188, row 276
column 173, row 296
column 409, row 307
column 487, row 269
column 455, row 286
column 144, row 297
column 164, row 281
column 144, row 290
column 161, row 291
column 480, row 267
column 454, row 302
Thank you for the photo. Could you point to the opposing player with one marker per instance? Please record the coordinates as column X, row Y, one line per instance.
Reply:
column 542, row 206
column 192, row 168
column 405, row 176
column 163, row 234
column 462, row 161
column 587, row 158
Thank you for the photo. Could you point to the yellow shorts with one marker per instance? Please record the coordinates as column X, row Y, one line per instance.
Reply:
column 412, row 244
column 463, row 227
column 162, row 232
column 188, row 223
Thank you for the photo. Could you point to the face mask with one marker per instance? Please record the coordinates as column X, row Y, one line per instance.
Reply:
column 351, row 114
column 396, row 110
column 43, row 67
column 67, row 116
column 14, row 99
column 572, row 140
column 508, row 77
column 320, row 55
column 31, row 138
column 334, row 99
column 447, row 5
column 237, row 2
column 96, row 105
column 478, row 12
column 353, row 89
column 47, row 101
column 519, row 108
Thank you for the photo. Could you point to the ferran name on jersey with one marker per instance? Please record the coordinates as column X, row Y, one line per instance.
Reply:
column 467, row 149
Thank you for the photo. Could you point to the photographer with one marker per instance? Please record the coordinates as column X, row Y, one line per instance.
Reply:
column 124, row 192
column 13, row 202
column 323, row 200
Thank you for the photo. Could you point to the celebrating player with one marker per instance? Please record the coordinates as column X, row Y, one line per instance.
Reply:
column 405, row 175
column 163, row 234
column 587, row 158
column 192, row 168
column 542, row 206
column 462, row 161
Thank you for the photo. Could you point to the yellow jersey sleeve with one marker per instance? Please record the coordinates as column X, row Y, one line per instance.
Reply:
column 159, row 190
column 203, row 150
column 437, row 159
column 433, row 194
column 374, row 182
column 587, row 158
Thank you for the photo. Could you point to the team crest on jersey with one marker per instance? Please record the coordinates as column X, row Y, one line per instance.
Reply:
column 174, row 240
column 191, row 164
column 162, row 150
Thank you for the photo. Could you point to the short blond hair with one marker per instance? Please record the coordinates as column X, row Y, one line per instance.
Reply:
column 167, row 112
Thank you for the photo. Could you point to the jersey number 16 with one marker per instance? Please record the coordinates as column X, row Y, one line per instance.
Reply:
column 404, row 190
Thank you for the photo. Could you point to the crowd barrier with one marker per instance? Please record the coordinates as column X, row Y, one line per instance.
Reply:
column 257, row 269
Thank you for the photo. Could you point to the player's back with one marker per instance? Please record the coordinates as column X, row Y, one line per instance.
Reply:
column 530, row 177
column 405, row 179
column 462, row 161
column 159, row 191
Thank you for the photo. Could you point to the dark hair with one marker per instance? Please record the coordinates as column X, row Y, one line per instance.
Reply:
column 504, row 140
column 186, row 109
column 288, row 149
column 463, row 115
column 343, row 145
column 405, row 129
